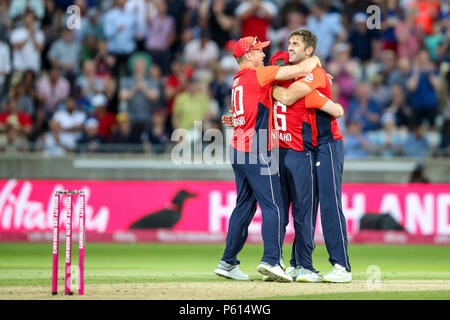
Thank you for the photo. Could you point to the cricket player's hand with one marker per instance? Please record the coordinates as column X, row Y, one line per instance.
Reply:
column 228, row 120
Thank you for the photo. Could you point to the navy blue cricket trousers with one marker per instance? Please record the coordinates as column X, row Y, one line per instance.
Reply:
column 329, row 159
column 297, row 175
column 257, row 181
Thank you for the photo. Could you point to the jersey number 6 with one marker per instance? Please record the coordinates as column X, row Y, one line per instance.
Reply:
column 279, row 117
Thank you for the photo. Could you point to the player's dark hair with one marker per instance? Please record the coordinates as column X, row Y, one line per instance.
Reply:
column 308, row 38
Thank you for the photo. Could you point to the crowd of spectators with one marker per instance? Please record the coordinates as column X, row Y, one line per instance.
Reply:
column 127, row 73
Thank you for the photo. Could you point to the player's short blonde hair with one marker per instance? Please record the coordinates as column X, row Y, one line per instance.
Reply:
column 308, row 38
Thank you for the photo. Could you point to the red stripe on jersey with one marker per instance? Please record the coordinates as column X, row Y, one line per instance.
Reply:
column 314, row 131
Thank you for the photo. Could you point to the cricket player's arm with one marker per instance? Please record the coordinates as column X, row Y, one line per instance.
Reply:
column 300, row 88
column 269, row 74
column 294, row 92
column 316, row 100
column 298, row 70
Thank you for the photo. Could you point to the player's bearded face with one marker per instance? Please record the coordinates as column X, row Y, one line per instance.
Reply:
column 297, row 50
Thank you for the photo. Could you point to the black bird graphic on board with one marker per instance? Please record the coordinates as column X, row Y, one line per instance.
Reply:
column 167, row 217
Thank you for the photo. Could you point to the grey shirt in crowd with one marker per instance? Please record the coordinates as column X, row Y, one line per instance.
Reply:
column 139, row 107
column 66, row 53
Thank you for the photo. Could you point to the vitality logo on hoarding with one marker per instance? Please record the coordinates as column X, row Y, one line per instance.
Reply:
column 19, row 213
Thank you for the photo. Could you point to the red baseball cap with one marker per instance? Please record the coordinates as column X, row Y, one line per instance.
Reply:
column 245, row 45
column 277, row 56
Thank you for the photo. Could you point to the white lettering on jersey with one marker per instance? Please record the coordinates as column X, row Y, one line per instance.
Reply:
column 309, row 78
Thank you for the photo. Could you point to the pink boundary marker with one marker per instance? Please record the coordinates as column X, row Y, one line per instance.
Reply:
column 82, row 239
column 68, row 243
column 56, row 214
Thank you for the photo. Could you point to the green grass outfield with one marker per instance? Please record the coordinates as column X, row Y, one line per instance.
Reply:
column 24, row 264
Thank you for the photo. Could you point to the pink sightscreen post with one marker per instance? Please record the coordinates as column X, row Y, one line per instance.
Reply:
column 56, row 213
column 81, row 242
column 68, row 243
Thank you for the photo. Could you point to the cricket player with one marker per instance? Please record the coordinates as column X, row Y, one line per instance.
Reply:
column 256, row 174
column 297, row 171
column 328, row 158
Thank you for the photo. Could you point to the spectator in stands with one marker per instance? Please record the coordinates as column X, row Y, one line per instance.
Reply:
column 399, row 107
column 19, row 7
column 219, row 18
column 379, row 91
column 202, row 54
column 156, row 75
column 104, row 61
column 124, row 137
column 89, row 83
column 141, row 9
column 120, row 29
column 220, row 90
column 345, row 70
column 71, row 120
column 5, row 65
column 89, row 48
column 54, row 142
column 156, row 138
column 388, row 141
column 434, row 40
column 176, row 83
column 228, row 62
column 27, row 43
column 326, row 26
column 90, row 141
column 25, row 102
column 5, row 21
column 254, row 17
column 423, row 85
column 362, row 40
column 294, row 20
column 160, row 36
column 400, row 74
column 428, row 11
column 52, row 89
column 12, row 138
column 391, row 16
column 106, row 119
column 364, row 109
column 93, row 26
column 296, row 6
column 356, row 144
column 190, row 106
column 140, row 94
column 409, row 35
column 64, row 54
column 416, row 145
column 19, row 120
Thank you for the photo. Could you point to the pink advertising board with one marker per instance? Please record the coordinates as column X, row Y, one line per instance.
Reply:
column 204, row 206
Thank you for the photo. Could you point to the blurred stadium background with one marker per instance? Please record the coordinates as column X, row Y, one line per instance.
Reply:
column 94, row 108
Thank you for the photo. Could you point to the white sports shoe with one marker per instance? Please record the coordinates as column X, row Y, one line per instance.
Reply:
column 292, row 272
column 230, row 271
column 276, row 273
column 269, row 279
column 338, row 275
column 305, row 275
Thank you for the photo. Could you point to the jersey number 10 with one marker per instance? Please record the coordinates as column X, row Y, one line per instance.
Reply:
column 237, row 100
